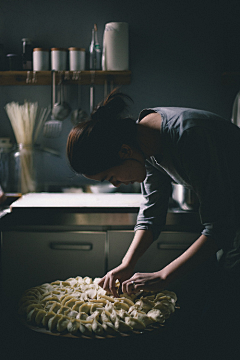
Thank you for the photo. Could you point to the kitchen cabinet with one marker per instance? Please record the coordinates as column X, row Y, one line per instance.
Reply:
column 70, row 77
column 166, row 248
column 30, row 258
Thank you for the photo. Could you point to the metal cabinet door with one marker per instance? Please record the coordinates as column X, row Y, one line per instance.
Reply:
column 165, row 249
column 32, row 258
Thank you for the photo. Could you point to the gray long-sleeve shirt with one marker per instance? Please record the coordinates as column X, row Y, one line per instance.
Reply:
column 202, row 151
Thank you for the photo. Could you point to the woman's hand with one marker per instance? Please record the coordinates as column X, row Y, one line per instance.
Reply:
column 121, row 273
column 144, row 281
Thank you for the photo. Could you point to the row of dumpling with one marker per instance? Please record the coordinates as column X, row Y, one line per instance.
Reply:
column 81, row 288
column 100, row 322
column 95, row 318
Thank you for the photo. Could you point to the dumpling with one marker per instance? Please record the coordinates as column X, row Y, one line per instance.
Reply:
column 156, row 315
column 121, row 305
column 62, row 323
column 136, row 324
column 122, row 326
column 39, row 316
column 85, row 329
column 73, row 326
column 110, row 328
column 97, row 328
column 77, row 305
column 52, row 322
column 47, row 317
column 85, row 307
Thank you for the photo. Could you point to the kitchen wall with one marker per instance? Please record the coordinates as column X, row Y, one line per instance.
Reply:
column 178, row 52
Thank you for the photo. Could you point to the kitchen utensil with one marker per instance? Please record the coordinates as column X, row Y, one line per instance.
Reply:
column 61, row 109
column 52, row 128
column 92, row 91
column 40, row 121
column 79, row 114
column 185, row 198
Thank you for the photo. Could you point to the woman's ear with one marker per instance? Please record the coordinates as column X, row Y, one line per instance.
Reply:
column 125, row 152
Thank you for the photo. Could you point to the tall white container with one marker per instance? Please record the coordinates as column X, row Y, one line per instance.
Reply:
column 116, row 47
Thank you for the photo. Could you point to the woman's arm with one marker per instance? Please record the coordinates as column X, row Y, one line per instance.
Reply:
column 202, row 249
column 141, row 242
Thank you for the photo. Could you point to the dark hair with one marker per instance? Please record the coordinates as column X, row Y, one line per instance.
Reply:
column 93, row 145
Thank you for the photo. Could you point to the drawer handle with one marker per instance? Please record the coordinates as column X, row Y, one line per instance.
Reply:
column 161, row 246
column 67, row 246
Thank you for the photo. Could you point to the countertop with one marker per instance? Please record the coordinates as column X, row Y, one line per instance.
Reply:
column 69, row 211
column 76, row 201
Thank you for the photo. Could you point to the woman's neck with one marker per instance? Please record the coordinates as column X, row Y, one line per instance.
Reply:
column 149, row 134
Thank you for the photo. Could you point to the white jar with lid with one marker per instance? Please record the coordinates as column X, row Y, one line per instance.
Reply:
column 40, row 59
column 59, row 59
column 76, row 59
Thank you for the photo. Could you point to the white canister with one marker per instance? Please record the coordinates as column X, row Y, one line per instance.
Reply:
column 76, row 59
column 58, row 59
column 40, row 59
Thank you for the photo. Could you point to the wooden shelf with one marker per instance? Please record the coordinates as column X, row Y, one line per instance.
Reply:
column 70, row 77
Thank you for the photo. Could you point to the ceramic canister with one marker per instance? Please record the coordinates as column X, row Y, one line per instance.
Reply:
column 40, row 59
column 76, row 59
column 59, row 59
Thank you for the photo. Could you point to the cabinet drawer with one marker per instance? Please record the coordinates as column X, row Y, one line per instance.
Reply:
column 165, row 249
column 32, row 258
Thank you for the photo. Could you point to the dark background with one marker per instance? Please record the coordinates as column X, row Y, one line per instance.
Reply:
column 178, row 53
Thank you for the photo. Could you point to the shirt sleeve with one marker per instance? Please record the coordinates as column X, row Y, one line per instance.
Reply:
column 204, row 160
column 153, row 209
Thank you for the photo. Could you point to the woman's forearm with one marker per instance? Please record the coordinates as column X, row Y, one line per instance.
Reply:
column 202, row 249
column 140, row 243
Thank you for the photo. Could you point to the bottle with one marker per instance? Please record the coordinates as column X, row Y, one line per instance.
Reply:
column 92, row 59
column 98, row 51
column 26, row 54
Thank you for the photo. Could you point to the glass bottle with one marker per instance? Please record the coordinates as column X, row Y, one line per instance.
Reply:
column 26, row 54
column 92, row 58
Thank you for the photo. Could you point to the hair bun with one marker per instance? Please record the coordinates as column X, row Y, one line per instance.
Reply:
column 112, row 107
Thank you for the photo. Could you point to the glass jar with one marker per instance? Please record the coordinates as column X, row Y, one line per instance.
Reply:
column 5, row 147
column 26, row 169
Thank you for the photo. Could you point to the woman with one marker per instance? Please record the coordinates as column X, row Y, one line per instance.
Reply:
column 195, row 148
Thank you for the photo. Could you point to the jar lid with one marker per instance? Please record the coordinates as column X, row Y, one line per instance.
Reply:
column 40, row 49
column 76, row 49
column 58, row 49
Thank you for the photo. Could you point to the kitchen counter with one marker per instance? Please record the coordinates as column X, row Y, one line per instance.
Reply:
column 92, row 211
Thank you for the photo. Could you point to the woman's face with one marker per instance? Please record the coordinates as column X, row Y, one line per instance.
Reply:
column 129, row 171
